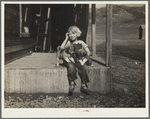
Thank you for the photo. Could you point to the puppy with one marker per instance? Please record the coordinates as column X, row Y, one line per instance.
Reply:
column 82, row 57
column 78, row 55
column 58, row 56
column 61, row 55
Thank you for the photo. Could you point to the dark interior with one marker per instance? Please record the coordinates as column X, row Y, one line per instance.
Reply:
column 61, row 16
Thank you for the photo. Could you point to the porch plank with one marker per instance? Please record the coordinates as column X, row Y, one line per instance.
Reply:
column 22, row 81
column 17, row 81
column 27, row 84
column 102, row 85
column 38, row 76
column 7, row 82
column 108, row 84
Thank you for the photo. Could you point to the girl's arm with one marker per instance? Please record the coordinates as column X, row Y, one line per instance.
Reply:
column 88, row 51
column 64, row 43
column 86, row 48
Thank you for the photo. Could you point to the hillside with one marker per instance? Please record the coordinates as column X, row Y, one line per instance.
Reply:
column 123, row 14
column 126, row 22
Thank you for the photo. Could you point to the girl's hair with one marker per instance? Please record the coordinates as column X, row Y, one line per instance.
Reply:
column 75, row 29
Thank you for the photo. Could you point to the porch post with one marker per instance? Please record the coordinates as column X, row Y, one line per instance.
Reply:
column 109, row 12
column 21, row 20
column 93, row 30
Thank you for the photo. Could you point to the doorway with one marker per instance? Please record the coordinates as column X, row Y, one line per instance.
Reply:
column 52, row 21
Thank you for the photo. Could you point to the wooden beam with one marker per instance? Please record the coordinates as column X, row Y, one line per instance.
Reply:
column 20, row 13
column 49, row 40
column 109, row 12
column 37, row 38
column 93, row 30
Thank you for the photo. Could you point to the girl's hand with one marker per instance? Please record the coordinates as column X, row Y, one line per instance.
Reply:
column 88, row 52
column 83, row 62
column 67, row 60
column 67, row 35
column 71, row 58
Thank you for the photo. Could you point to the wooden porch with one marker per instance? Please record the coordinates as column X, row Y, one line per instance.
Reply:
column 37, row 73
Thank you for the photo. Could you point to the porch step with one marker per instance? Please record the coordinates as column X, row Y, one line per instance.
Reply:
column 37, row 74
column 53, row 80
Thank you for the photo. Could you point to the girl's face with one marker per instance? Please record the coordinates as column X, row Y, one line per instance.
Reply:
column 73, row 36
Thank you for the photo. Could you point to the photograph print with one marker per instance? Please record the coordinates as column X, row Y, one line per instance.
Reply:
column 66, row 55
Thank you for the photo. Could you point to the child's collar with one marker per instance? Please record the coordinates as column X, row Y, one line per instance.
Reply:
column 73, row 41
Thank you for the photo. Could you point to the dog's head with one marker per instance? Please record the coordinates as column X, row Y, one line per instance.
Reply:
column 81, row 53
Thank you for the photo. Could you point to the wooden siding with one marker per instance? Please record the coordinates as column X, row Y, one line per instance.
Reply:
column 15, row 46
column 15, row 55
column 12, row 10
column 11, row 29
column 13, row 24
column 12, row 6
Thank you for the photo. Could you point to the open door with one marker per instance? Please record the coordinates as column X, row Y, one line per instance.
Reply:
column 53, row 21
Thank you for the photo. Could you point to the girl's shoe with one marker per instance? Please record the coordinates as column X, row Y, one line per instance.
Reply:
column 71, row 89
column 85, row 90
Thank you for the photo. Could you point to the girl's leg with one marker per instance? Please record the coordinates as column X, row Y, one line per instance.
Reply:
column 71, row 76
column 72, row 71
column 84, row 78
column 82, row 73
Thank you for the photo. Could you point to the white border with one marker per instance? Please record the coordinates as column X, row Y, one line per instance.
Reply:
column 74, row 112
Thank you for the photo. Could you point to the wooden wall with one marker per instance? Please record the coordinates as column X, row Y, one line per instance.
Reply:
column 15, row 46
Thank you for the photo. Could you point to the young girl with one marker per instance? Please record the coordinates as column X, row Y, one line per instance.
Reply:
column 68, row 45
